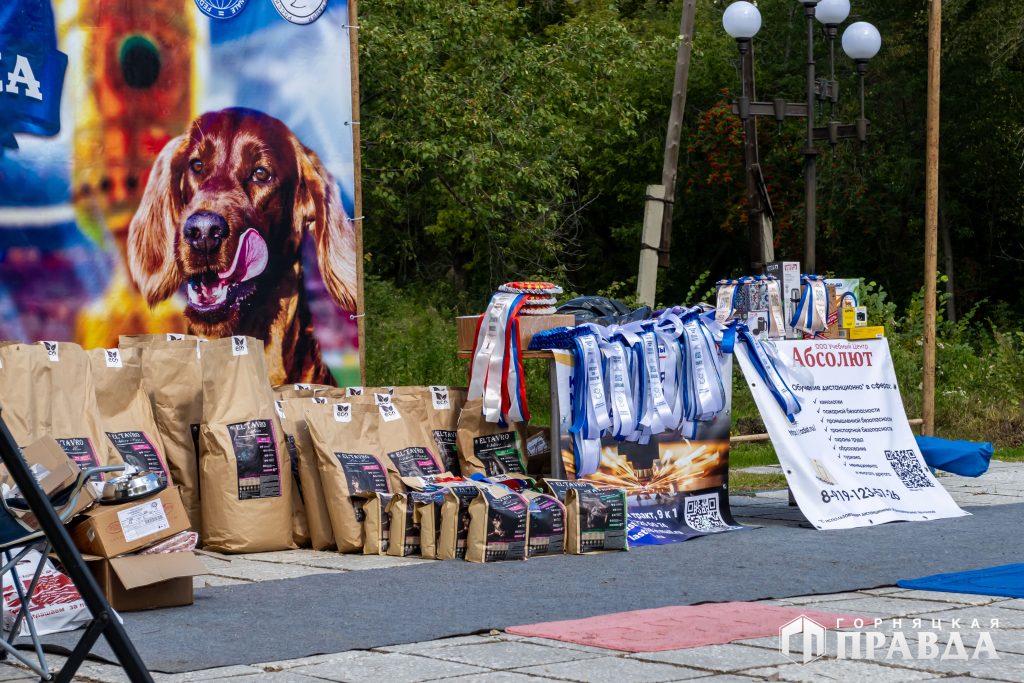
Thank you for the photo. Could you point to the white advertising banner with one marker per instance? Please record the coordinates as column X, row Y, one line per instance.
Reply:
column 849, row 456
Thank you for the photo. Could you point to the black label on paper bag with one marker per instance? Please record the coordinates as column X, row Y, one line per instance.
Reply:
column 559, row 487
column 195, row 446
column 136, row 449
column 547, row 526
column 259, row 471
column 602, row 519
column 446, row 440
column 363, row 473
column 414, row 462
column 506, row 528
column 79, row 450
column 499, row 453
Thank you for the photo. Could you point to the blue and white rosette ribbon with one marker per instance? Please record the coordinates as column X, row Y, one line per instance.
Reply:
column 811, row 315
column 772, row 370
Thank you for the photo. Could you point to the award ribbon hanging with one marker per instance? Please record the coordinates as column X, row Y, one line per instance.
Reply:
column 772, row 371
column 619, row 387
column 776, row 321
column 488, row 378
column 590, row 406
column 811, row 315
column 726, row 300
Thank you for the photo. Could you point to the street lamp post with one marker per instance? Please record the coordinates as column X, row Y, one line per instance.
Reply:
column 861, row 42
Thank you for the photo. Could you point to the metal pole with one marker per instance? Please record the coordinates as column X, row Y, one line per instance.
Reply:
column 670, row 163
column 931, row 215
column 83, row 579
column 810, row 152
column 750, row 158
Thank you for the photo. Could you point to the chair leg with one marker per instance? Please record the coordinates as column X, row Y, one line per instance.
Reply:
column 78, row 655
column 25, row 614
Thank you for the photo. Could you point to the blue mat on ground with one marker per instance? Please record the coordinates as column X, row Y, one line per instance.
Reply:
column 1006, row 580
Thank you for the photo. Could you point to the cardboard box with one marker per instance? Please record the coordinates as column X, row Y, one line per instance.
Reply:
column 872, row 332
column 529, row 325
column 138, row 582
column 788, row 274
column 112, row 530
column 46, row 457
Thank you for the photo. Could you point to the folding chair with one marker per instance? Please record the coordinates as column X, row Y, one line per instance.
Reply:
column 17, row 538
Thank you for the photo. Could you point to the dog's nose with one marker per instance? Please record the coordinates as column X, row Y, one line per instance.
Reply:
column 204, row 231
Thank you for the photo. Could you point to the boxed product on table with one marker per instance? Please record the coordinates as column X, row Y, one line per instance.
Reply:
column 112, row 530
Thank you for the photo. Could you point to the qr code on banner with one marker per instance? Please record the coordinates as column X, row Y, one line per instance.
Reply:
column 908, row 468
column 702, row 513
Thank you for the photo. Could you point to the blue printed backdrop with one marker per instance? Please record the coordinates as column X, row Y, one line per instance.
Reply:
column 137, row 74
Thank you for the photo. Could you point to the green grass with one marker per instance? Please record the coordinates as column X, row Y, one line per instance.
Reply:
column 1010, row 454
column 752, row 454
column 745, row 482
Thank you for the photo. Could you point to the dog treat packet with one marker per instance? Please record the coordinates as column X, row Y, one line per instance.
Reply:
column 376, row 522
column 24, row 391
column 405, row 527
column 245, row 473
column 499, row 524
column 407, row 447
column 547, row 524
column 427, row 515
column 453, row 538
column 346, row 447
column 173, row 378
column 300, row 444
column 486, row 447
column 74, row 415
column 126, row 341
column 595, row 519
column 126, row 411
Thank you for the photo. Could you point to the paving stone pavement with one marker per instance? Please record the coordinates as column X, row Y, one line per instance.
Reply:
column 500, row 657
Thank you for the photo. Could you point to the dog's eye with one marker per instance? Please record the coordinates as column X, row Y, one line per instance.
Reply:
column 261, row 175
column 196, row 165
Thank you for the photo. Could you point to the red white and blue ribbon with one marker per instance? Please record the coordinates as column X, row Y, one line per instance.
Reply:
column 496, row 372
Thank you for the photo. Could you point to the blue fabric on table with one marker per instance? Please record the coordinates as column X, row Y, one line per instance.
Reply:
column 1005, row 580
column 966, row 458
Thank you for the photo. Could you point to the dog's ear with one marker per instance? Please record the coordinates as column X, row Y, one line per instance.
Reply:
column 318, row 208
column 151, row 233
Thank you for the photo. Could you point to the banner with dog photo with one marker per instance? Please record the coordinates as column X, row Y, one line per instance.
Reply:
column 183, row 166
column 676, row 487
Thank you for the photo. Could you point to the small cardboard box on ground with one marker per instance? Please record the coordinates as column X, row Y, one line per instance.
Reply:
column 138, row 582
column 112, row 530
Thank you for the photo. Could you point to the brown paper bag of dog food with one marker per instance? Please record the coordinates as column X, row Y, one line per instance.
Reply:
column 24, row 396
column 300, row 524
column 376, row 522
column 245, row 471
column 547, row 524
column 595, row 520
column 346, row 446
column 315, row 502
column 405, row 528
column 442, row 406
column 284, row 391
column 126, row 341
column 454, row 536
column 485, row 447
column 74, row 416
column 126, row 411
column 499, row 524
column 173, row 378
column 407, row 446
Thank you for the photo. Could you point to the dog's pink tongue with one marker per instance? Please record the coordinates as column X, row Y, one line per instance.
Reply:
column 250, row 259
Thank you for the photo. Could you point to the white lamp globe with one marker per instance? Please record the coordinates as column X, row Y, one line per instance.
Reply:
column 861, row 41
column 832, row 12
column 741, row 20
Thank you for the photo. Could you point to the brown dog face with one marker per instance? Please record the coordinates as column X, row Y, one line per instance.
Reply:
column 224, row 212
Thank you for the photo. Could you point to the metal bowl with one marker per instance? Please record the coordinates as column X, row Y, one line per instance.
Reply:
column 131, row 487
